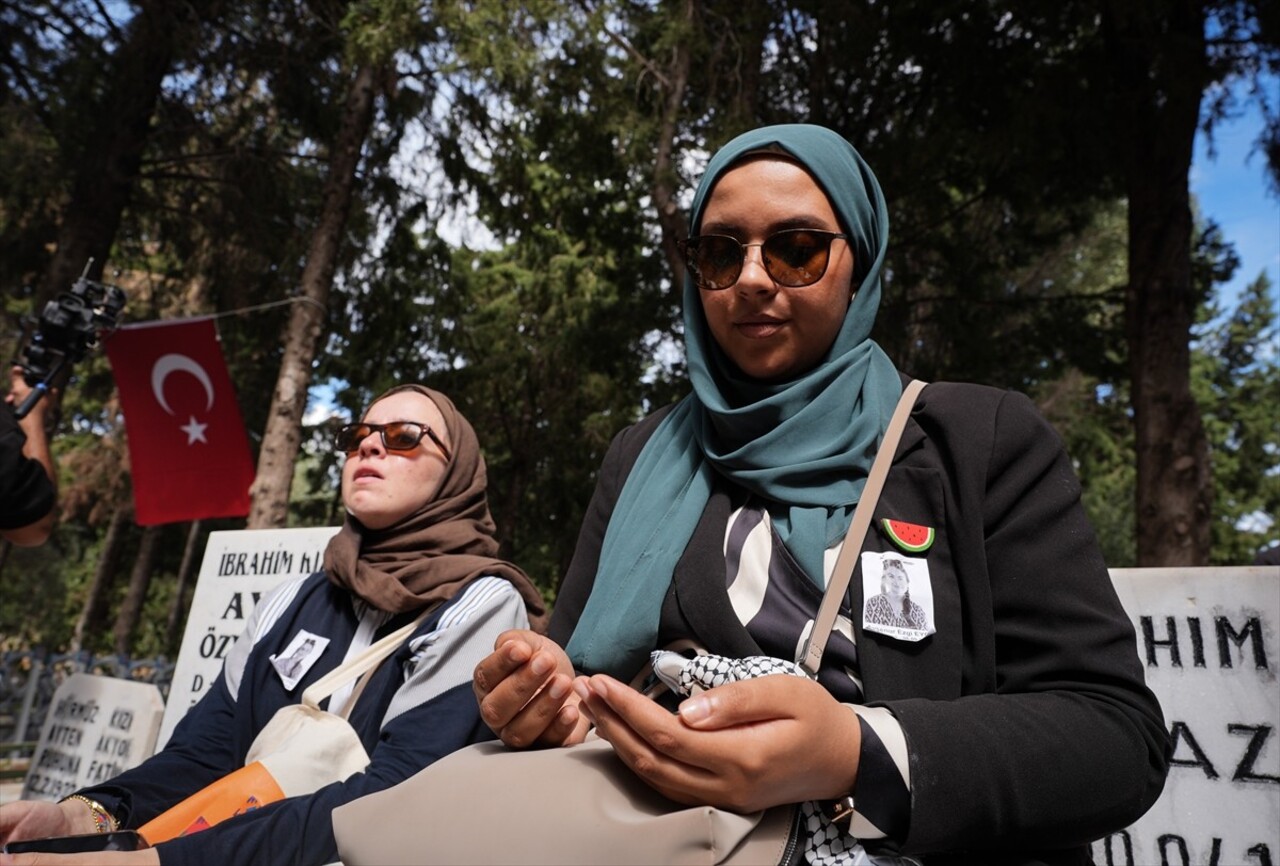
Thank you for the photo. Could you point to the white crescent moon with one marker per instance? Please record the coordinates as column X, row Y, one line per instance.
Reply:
column 167, row 364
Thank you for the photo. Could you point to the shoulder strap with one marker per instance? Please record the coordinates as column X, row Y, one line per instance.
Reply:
column 811, row 658
column 362, row 663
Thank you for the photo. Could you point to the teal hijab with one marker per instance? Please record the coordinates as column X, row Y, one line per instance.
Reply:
column 804, row 446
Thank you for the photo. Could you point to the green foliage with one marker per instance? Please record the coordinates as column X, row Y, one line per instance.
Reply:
column 1236, row 379
column 37, row 604
column 1093, row 420
column 540, row 344
column 44, row 82
column 1087, row 402
column 542, row 335
column 543, row 368
column 377, row 30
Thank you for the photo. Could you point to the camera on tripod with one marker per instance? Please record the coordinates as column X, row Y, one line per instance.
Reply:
column 67, row 329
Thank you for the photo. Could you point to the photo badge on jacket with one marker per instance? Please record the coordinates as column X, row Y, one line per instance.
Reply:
column 298, row 657
column 897, row 592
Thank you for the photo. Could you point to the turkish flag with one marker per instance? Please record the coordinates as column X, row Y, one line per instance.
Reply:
column 187, row 443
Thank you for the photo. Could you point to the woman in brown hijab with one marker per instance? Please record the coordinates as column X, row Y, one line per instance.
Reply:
column 417, row 533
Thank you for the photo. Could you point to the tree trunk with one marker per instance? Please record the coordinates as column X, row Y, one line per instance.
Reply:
column 94, row 609
column 139, row 581
column 177, row 613
column 1157, row 56
column 283, row 434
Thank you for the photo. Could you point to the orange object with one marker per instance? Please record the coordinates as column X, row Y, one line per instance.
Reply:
column 248, row 788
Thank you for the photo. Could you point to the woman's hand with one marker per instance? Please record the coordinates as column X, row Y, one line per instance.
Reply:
column 37, row 819
column 743, row 746
column 525, row 689
column 141, row 857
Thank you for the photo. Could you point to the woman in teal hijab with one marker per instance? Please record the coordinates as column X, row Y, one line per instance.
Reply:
column 803, row 439
column 718, row 520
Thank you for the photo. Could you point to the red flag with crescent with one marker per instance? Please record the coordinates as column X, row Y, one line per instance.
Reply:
column 188, row 448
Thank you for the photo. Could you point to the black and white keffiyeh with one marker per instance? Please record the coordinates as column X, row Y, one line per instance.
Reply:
column 825, row 843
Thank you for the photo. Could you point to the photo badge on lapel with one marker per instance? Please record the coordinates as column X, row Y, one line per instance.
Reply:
column 302, row 652
column 898, row 596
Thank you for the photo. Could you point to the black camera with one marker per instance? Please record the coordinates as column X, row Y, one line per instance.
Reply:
column 65, row 332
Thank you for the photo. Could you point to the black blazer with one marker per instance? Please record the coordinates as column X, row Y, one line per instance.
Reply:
column 1029, row 725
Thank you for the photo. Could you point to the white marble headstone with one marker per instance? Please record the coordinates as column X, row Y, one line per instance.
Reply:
column 1208, row 640
column 97, row 727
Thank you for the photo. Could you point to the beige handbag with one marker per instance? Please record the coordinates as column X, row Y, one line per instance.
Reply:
column 576, row 806
column 581, row 805
column 302, row 749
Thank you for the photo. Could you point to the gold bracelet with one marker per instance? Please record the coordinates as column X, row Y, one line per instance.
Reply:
column 103, row 821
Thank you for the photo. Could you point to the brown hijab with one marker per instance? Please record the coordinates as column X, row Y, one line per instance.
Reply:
column 436, row 551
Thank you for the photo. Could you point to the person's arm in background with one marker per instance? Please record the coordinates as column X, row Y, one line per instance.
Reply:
column 26, row 471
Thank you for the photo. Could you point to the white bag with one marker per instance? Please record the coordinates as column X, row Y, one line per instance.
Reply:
column 302, row 749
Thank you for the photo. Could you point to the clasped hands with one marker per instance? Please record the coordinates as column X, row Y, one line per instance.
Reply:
column 743, row 746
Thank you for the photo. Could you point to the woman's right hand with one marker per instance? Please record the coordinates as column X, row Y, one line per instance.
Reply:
column 525, row 689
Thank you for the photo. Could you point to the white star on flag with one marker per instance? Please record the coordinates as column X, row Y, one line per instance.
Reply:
column 194, row 430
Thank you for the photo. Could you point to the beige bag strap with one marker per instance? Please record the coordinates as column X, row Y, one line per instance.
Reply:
column 811, row 658
column 362, row 663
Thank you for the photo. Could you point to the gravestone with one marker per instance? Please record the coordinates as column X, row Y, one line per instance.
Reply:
column 1208, row 640
column 96, row 728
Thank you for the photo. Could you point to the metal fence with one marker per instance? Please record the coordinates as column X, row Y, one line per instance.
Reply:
column 29, row 678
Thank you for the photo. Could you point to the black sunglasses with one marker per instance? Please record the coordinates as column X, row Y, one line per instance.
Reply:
column 792, row 258
column 396, row 436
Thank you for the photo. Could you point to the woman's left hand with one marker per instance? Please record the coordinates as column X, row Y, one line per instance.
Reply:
column 743, row 746
column 141, row 857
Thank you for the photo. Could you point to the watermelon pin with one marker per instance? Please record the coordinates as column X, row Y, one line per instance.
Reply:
column 911, row 537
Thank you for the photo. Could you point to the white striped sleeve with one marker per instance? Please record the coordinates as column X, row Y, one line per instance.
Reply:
column 445, row 657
